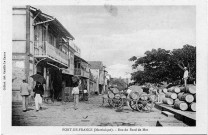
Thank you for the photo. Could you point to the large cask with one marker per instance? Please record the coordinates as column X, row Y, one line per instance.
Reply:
column 171, row 95
column 176, row 90
column 134, row 95
column 181, row 105
column 117, row 96
column 115, row 90
column 110, row 94
column 192, row 106
column 191, row 89
column 186, row 97
column 165, row 90
column 168, row 101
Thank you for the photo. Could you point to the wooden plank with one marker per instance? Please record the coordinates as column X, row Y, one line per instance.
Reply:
column 168, row 114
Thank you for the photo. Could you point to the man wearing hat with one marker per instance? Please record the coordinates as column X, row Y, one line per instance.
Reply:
column 25, row 91
column 185, row 76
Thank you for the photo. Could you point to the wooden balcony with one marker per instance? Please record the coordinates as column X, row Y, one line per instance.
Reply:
column 46, row 50
column 81, row 72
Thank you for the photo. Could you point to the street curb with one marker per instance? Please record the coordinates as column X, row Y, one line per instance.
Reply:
column 189, row 120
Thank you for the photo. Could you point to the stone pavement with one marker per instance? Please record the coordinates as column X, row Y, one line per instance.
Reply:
column 90, row 113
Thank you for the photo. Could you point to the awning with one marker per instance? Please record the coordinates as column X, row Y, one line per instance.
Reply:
column 67, row 71
column 75, row 56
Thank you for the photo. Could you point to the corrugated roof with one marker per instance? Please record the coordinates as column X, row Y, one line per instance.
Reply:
column 96, row 64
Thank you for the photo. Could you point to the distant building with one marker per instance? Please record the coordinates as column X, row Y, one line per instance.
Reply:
column 98, row 71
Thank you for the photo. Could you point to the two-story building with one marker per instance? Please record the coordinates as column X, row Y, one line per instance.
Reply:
column 40, row 44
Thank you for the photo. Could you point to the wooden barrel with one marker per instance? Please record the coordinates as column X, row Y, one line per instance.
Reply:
column 171, row 95
column 191, row 89
column 187, row 97
column 176, row 90
column 117, row 96
column 134, row 95
column 168, row 101
column 110, row 94
column 192, row 106
column 144, row 96
column 165, row 90
column 115, row 90
column 181, row 105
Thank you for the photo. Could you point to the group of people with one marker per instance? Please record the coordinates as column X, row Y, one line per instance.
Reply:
column 38, row 91
column 26, row 91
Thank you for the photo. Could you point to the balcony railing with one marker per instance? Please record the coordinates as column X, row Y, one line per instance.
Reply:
column 81, row 72
column 44, row 49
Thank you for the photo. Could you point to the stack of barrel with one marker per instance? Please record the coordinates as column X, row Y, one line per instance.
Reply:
column 113, row 92
column 183, row 98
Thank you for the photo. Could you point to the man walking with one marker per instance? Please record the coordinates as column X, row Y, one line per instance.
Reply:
column 39, row 90
column 25, row 92
column 75, row 92
column 185, row 76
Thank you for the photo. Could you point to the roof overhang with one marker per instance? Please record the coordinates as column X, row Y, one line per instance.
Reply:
column 51, row 20
column 79, row 58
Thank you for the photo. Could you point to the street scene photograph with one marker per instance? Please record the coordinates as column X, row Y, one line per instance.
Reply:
column 104, row 65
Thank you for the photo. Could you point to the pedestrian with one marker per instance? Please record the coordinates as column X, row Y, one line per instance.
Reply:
column 185, row 76
column 39, row 90
column 75, row 92
column 25, row 91
column 128, row 92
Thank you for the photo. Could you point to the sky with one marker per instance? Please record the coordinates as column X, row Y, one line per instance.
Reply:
column 113, row 34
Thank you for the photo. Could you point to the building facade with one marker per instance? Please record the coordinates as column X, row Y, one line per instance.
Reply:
column 41, row 45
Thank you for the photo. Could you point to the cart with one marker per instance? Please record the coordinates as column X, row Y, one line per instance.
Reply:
column 137, row 99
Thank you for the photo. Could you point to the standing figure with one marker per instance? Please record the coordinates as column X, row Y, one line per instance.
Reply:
column 25, row 91
column 75, row 92
column 39, row 90
column 185, row 76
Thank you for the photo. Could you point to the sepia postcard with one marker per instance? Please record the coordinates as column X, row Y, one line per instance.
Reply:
column 104, row 67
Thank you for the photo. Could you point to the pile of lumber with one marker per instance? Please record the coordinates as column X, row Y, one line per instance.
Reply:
column 182, row 98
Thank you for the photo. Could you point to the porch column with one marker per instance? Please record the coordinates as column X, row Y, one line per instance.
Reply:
column 44, row 75
column 88, row 86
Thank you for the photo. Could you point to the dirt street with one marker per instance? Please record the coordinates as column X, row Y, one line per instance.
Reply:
column 90, row 113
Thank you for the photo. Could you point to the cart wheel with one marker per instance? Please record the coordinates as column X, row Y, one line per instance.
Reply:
column 110, row 102
column 139, row 105
column 117, row 103
column 147, row 103
column 133, row 104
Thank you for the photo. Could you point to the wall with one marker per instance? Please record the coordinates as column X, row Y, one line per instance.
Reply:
column 19, row 31
column 22, row 60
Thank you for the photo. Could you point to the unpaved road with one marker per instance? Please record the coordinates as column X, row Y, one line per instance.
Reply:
column 90, row 113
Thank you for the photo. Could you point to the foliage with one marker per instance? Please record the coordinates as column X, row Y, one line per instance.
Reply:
column 118, row 83
column 164, row 65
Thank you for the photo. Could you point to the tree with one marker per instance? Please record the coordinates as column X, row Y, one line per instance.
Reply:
column 164, row 65
column 118, row 83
